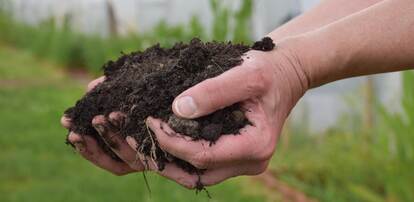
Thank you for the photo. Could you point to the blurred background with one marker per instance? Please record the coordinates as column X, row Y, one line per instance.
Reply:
column 347, row 141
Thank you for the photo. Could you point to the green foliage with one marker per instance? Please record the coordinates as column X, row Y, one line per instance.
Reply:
column 344, row 166
column 75, row 50
column 243, row 17
column 196, row 29
column 66, row 47
column 167, row 35
column 408, row 97
column 221, row 20
column 223, row 17
column 395, row 143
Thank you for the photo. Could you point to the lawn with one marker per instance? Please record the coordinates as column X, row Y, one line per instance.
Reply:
column 36, row 165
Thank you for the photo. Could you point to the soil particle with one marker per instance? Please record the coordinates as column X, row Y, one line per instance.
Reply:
column 266, row 44
column 185, row 126
column 145, row 83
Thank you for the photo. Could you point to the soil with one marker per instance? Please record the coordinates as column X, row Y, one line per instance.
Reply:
column 142, row 84
column 266, row 44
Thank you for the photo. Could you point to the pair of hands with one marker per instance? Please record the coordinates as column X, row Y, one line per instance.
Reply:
column 268, row 84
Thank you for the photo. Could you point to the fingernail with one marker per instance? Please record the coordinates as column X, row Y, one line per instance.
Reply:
column 117, row 121
column 185, row 106
column 100, row 129
column 148, row 121
column 131, row 142
column 79, row 146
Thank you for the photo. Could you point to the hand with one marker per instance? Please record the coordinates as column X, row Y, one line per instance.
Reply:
column 268, row 84
column 131, row 162
column 89, row 149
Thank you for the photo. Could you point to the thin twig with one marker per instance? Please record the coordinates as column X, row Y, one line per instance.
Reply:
column 217, row 65
column 153, row 148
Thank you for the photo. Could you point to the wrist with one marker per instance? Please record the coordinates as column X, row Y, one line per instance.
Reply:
column 289, row 76
column 317, row 56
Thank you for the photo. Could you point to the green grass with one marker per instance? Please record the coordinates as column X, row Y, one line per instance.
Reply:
column 13, row 67
column 346, row 164
column 36, row 165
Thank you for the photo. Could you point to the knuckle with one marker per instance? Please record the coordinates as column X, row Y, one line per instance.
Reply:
column 209, row 87
column 201, row 159
column 264, row 154
column 258, row 80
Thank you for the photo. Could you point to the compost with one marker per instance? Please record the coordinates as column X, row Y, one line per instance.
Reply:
column 145, row 83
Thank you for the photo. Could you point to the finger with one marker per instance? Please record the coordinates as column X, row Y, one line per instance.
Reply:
column 65, row 122
column 95, row 82
column 89, row 149
column 170, row 171
column 229, row 149
column 132, row 143
column 215, row 176
column 148, row 163
column 117, row 119
column 114, row 140
column 209, row 177
column 174, row 173
column 235, row 85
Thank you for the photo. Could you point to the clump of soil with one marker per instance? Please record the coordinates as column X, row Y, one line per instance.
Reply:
column 266, row 44
column 143, row 84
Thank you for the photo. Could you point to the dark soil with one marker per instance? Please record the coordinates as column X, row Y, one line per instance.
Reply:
column 266, row 44
column 143, row 84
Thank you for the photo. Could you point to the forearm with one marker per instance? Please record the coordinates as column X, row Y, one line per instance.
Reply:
column 326, row 12
column 375, row 40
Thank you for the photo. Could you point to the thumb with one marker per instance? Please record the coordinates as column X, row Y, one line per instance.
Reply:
column 238, row 84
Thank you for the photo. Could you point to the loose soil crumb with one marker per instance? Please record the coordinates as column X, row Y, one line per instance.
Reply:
column 266, row 44
column 143, row 84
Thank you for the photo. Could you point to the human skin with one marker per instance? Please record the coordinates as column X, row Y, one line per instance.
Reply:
column 349, row 41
